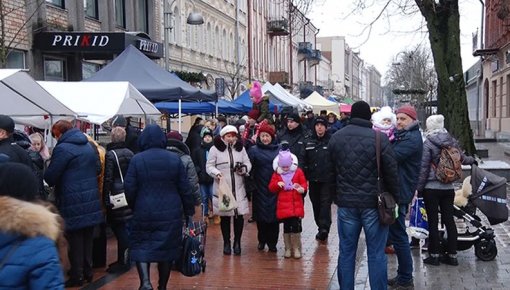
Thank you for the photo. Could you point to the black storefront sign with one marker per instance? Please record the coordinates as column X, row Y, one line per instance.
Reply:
column 219, row 86
column 96, row 43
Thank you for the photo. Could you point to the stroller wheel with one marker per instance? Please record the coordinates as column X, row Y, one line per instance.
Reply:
column 486, row 250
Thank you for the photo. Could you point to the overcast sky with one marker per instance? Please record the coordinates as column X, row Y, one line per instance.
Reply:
column 389, row 35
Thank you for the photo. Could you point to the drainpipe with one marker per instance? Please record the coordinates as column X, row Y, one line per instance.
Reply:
column 249, row 41
column 318, row 29
column 479, row 80
column 291, row 78
column 304, row 40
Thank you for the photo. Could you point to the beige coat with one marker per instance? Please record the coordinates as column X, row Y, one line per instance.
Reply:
column 218, row 161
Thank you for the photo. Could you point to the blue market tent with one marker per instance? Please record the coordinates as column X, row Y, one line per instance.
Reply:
column 244, row 100
column 226, row 107
column 186, row 108
column 154, row 82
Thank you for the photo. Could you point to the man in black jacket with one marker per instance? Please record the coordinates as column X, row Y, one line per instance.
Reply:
column 319, row 175
column 353, row 154
column 7, row 144
column 295, row 135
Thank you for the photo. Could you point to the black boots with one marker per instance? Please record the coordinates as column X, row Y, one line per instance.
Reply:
column 238, row 231
column 164, row 274
column 144, row 274
column 225, row 232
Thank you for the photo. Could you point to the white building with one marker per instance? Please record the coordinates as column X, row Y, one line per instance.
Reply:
column 335, row 49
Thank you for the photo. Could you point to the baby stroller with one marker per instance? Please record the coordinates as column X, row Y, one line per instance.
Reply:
column 489, row 196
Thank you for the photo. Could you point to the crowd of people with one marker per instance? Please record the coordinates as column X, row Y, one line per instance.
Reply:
column 144, row 184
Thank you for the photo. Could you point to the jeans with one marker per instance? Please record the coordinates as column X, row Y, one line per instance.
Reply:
column 400, row 240
column 321, row 202
column 442, row 199
column 350, row 222
column 206, row 191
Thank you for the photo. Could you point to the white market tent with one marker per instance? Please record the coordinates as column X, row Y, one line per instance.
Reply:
column 285, row 97
column 27, row 102
column 303, row 103
column 100, row 101
column 320, row 103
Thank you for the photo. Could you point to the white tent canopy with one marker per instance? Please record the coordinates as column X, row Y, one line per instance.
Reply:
column 100, row 101
column 304, row 105
column 285, row 97
column 320, row 103
column 23, row 97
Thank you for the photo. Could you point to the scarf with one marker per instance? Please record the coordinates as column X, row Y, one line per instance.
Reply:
column 287, row 179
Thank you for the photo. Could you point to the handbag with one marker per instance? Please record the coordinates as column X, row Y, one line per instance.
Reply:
column 386, row 205
column 418, row 221
column 118, row 200
column 226, row 200
column 192, row 261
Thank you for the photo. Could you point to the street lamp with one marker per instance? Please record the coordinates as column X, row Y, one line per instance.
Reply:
column 194, row 18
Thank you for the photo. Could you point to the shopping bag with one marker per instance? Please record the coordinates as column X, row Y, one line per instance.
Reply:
column 418, row 222
column 226, row 200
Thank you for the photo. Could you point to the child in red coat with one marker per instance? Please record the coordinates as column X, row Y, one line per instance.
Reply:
column 289, row 183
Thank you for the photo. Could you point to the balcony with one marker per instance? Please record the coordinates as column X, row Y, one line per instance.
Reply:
column 305, row 49
column 319, row 89
column 315, row 57
column 280, row 77
column 278, row 27
column 305, row 89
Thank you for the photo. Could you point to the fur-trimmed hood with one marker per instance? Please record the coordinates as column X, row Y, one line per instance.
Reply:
column 27, row 219
column 221, row 145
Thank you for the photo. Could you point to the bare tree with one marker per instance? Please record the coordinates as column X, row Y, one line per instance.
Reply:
column 412, row 76
column 236, row 77
column 11, row 36
column 442, row 22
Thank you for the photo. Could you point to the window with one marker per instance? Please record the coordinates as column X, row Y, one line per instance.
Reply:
column 15, row 59
column 89, row 69
column 59, row 3
column 91, row 8
column 143, row 24
column 120, row 19
column 54, row 69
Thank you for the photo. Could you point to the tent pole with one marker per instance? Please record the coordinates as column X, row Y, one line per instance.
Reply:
column 216, row 109
column 180, row 116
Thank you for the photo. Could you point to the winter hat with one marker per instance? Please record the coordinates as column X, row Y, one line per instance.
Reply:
column 408, row 110
column 17, row 180
column 320, row 120
column 256, row 92
column 174, row 135
column 228, row 129
column 206, row 132
column 222, row 118
column 119, row 121
column 294, row 117
column 284, row 158
column 384, row 113
column 361, row 110
column 6, row 123
column 435, row 122
column 267, row 129
column 254, row 114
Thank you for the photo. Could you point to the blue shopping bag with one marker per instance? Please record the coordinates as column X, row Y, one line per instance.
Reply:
column 418, row 222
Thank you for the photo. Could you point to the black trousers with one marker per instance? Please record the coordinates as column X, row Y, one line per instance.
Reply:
column 80, row 252
column 268, row 233
column 440, row 201
column 321, row 202
column 292, row 225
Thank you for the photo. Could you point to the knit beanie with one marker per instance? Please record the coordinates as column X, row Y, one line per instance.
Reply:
column 17, row 180
column 294, row 117
column 284, row 158
column 267, row 129
column 6, row 123
column 174, row 135
column 435, row 122
column 254, row 114
column 361, row 110
column 256, row 92
column 228, row 129
column 408, row 110
column 320, row 120
column 206, row 132
column 384, row 113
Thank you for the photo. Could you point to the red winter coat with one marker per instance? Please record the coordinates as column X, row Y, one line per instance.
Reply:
column 290, row 202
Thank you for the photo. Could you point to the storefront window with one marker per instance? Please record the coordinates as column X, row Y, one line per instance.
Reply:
column 59, row 3
column 15, row 59
column 54, row 70
column 143, row 25
column 89, row 69
column 120, row 19
column 91, row 8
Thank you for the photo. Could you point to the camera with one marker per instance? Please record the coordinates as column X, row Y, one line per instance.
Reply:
column 240, row 168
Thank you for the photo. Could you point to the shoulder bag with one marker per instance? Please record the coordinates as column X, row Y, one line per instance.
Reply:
column 386, row 204
column 118, row 200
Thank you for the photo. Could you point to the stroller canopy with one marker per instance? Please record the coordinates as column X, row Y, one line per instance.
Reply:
column 489, row 194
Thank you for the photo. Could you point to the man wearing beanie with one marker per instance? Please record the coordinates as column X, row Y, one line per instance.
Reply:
column 317, row 170
column 353, row 155
column 8, row 146
column 408, row 148
column 295, row 135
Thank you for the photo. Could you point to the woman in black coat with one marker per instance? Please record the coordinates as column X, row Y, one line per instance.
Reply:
column 118, row 155
column 264, row 202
